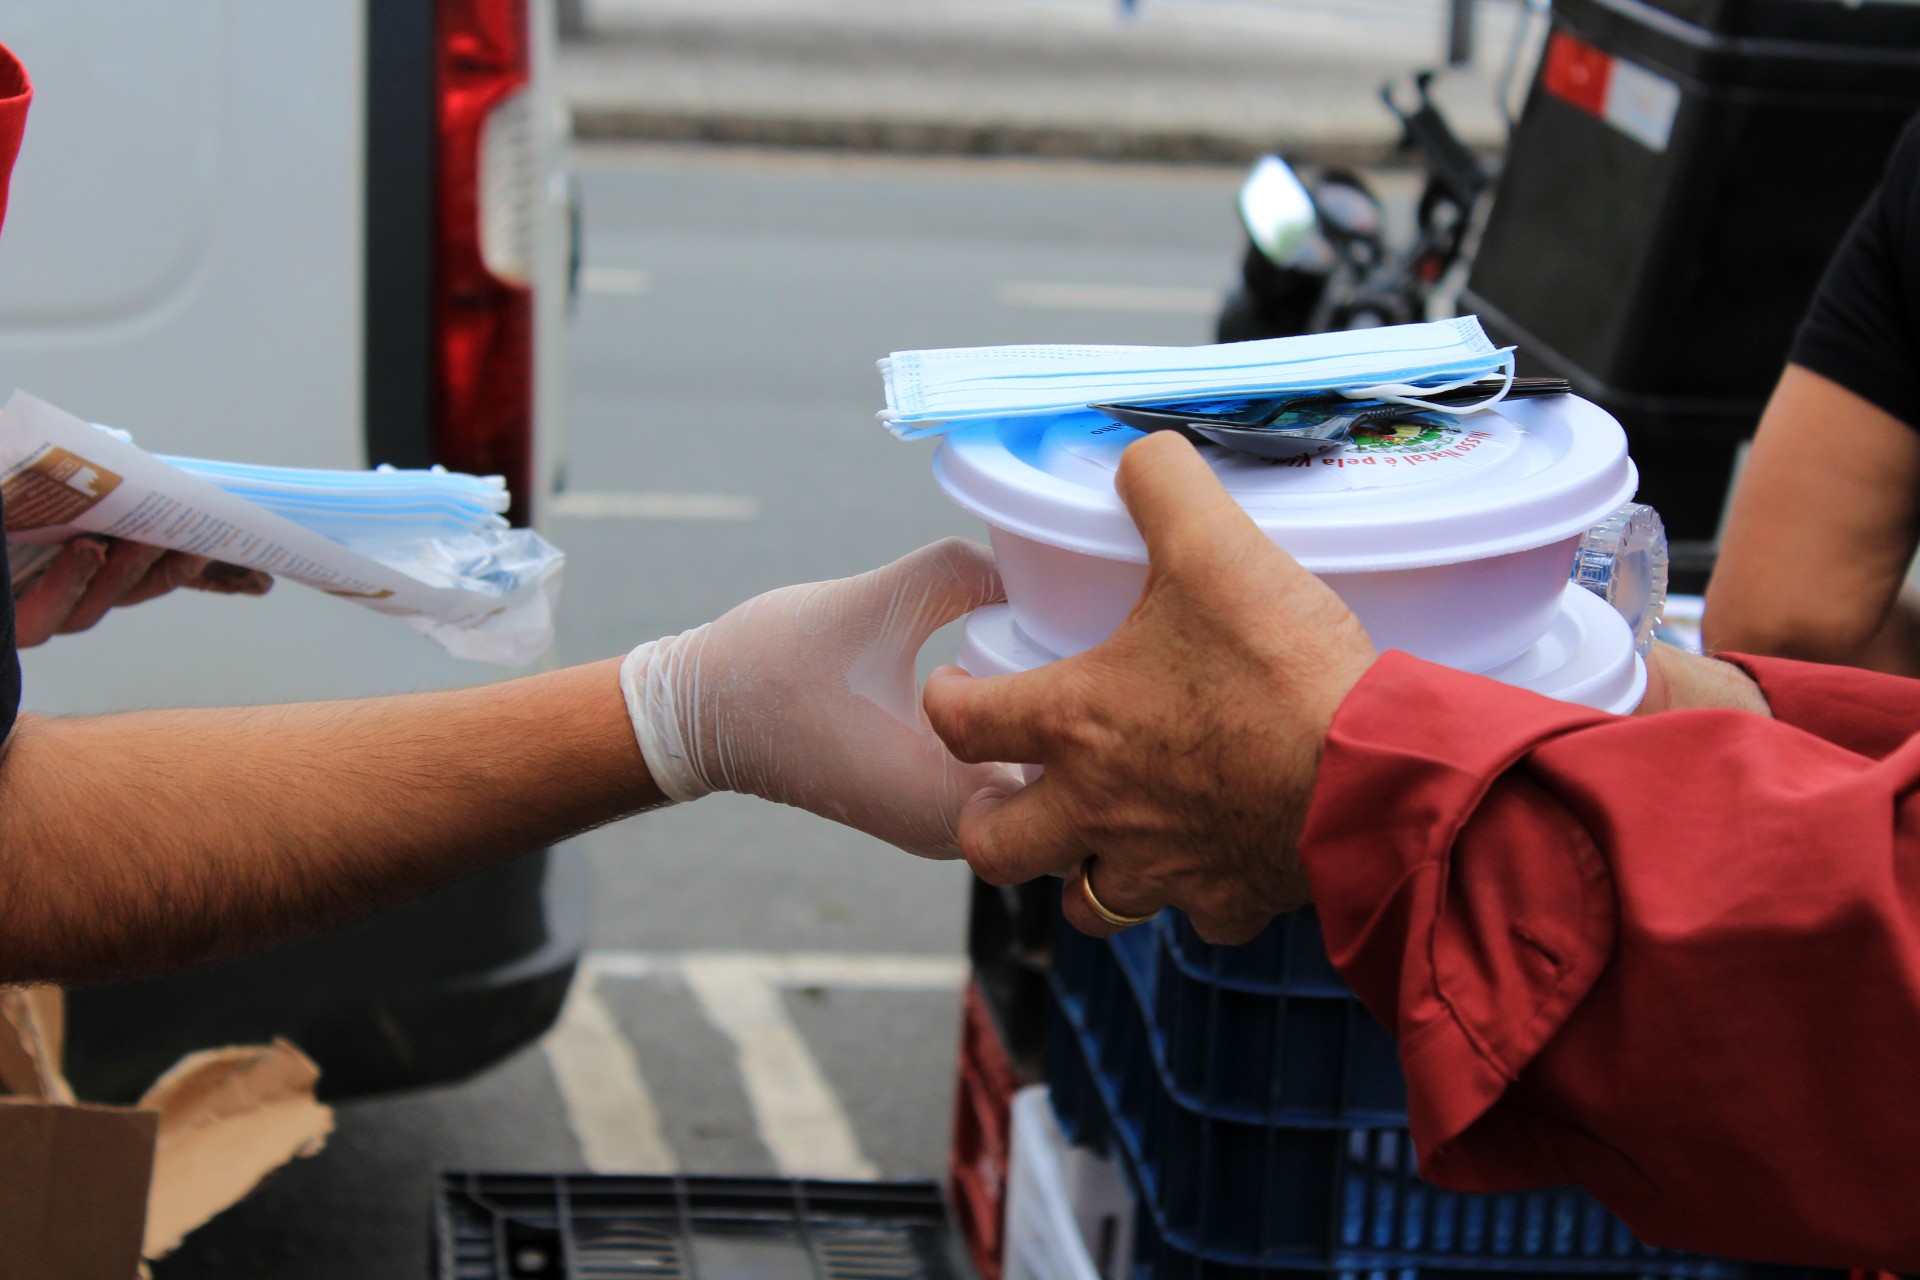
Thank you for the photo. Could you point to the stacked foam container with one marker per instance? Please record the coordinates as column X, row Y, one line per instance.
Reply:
column 1256, row 1111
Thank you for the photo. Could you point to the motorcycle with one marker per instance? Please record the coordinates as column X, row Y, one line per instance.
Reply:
column 1318, row 256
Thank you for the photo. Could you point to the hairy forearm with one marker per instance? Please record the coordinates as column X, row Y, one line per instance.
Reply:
column 135, row 842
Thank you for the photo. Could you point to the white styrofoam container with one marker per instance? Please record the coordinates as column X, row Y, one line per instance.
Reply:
column 1069, row 1212
column 1585, row 656
column 1452, row 544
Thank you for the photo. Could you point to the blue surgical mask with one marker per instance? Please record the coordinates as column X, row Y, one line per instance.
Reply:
column 352, row 486
column 366, row 509
column 927, row 390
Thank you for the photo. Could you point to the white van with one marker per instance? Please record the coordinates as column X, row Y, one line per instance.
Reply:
column 330, row 233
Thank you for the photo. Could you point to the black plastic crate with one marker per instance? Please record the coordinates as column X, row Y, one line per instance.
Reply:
column 1010, row 942
column 1667, row 282
column 1224, row 1197
column 1665, row 277
column 515, row 1226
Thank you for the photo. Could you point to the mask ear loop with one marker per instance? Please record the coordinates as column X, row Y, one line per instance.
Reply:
column 1406, row 394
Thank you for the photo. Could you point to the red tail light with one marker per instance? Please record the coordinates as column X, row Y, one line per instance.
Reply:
column 483, row 356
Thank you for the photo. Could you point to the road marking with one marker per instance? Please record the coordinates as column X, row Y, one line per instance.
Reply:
column 626, row 281
column 1103, row 297
column 868, row 971
column 609, row 1107
column 653, row 506
column 799, row 1118
column 612, row 1112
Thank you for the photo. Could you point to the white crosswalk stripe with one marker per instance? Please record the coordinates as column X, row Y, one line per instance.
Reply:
column 609, row 1107
column 799, row 1117
column 800, row 1121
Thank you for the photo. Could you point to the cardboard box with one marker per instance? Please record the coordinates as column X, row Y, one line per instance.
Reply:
column 87, row 1192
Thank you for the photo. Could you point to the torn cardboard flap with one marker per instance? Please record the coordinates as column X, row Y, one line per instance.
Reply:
column 32, row 1023
column 228, row 1118
column 96, row 1187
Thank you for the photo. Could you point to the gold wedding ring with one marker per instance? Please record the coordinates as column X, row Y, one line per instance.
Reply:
column 1100, row 908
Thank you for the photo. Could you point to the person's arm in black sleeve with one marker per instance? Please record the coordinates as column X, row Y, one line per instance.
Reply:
column 1824, row 525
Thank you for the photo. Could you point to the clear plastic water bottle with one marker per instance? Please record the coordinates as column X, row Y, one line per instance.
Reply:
column 1624, row 561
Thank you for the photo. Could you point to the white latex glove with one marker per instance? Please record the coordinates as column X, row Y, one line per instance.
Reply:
column 807, row 696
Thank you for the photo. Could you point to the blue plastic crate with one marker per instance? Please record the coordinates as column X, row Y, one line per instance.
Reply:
column 1229, row 1196
column 1275, row 1037
column 1289, row 956
column 1157, row 1260
column 1298, row 1052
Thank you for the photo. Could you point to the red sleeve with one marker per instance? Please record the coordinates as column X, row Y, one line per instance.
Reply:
column 1675, row 960
column 16, row 92
column 1863, row 711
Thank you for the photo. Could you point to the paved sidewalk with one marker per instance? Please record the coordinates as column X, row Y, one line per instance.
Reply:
column 1185, row 80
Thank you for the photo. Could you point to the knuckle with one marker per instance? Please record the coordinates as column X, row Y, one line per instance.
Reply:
column 951, row 722
column 1182, row 556
column 1053, row 723
column 1223, row 931
column 993, row 873
column 987, row 857
column 1069, row 724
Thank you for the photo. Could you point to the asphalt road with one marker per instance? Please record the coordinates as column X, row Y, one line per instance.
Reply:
column 722, row 442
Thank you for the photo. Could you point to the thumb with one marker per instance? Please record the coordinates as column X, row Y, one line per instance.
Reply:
column 937, row 584
column 900, row 605
column 1179, row 504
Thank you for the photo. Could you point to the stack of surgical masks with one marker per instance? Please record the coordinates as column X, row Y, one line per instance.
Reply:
column 929, row 391
column 365, row 508
column 444, row 528
column 430, row 548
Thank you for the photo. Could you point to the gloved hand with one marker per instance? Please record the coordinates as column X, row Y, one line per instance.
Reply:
column 807, row 696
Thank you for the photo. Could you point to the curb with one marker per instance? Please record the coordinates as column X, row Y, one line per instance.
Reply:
column 627, row 123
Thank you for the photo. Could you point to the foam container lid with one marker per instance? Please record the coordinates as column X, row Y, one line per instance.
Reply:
column 1586, row 657
column 1523, row 474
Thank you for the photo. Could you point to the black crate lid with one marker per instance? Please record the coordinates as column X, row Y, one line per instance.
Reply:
column 1822, row 21
column 1835, row 46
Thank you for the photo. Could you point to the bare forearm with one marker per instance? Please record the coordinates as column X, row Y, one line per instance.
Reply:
column 1847, row 638
column 1818, row 539
column 142, row 841
column 1895, row 648
column 1682, row 681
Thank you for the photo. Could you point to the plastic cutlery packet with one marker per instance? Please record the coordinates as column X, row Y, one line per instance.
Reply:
column 431, row 548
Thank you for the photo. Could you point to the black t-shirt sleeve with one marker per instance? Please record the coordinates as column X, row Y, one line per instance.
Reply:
column 1860, row 331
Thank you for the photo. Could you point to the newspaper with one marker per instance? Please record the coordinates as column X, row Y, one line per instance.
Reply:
column 61, row 476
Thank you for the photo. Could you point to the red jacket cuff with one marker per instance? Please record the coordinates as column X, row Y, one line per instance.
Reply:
column 1466, row 934
column 1862, row 711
